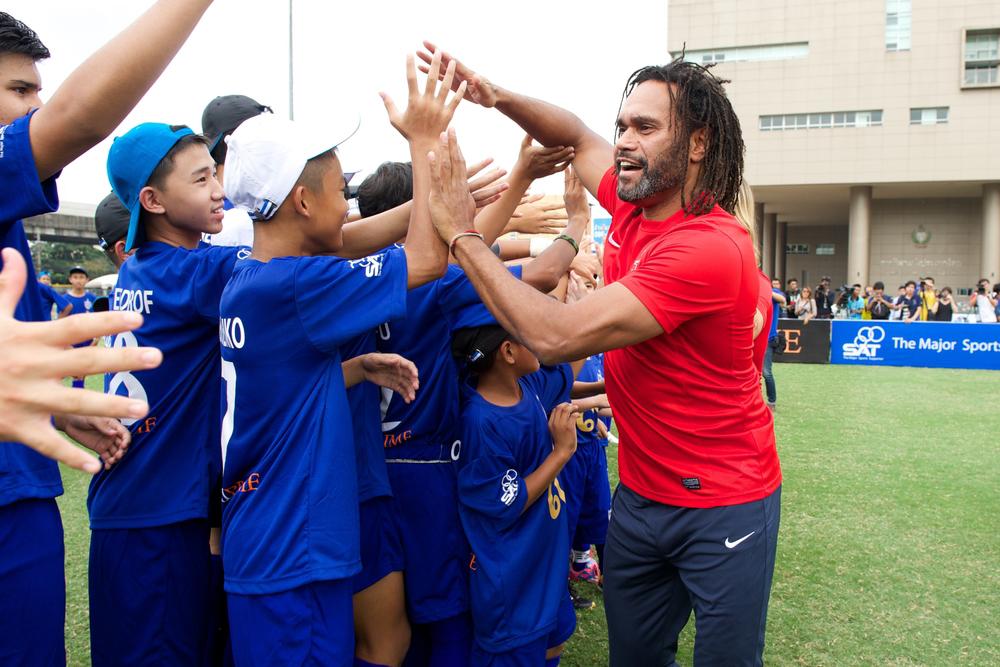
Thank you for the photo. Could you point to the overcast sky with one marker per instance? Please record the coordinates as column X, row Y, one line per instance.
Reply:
column 576, row 54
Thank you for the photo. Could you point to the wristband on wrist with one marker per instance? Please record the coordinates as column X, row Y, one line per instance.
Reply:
column 456, row 237
column 569, row 239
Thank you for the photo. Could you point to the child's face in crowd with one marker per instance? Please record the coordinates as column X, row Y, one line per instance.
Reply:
column 329, row 208
column 191, row 197
column 78, row 281
column 20, row 83
column 519, row 357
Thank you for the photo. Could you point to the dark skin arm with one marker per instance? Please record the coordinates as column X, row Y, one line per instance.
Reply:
column 97, row 96
column 585, row 389
column 548, row 124
column 562, row 427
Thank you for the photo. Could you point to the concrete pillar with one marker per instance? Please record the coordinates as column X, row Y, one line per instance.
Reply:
column 858, row 234
column 758, row 222
column 767, row 248
column 779, row 251
column 990, row 266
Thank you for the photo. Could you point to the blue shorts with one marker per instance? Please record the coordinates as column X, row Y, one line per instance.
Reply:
column 444, row 643
column 309, row 625
column 584, row 478
column 32, row 584
column 533, row 654
column 381, row 547
column 436, row 552
column 151, row 595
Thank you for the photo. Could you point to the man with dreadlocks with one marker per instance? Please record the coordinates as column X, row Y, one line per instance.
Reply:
column 695, row 519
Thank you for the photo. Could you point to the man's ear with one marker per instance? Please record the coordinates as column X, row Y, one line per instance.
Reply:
column 698, row 144
column 149, row 199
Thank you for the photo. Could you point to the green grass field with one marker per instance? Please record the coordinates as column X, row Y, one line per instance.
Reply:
column 889, row 551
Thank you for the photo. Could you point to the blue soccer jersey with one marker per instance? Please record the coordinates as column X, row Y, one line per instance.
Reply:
column 175, row 456
column 50, row 298
column 586, row 422
column 291, row 494
column 364, row 400
column 23, row 472
column 518, row 574
column 81, row 304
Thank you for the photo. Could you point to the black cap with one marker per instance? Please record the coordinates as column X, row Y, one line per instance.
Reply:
column 79, row 269
column 225, row 113
column 111, row 221
column 473, row 344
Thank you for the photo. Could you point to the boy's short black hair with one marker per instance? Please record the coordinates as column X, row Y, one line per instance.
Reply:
column 879, row 285
column 386, row 188
column 166, row 165
column 79, row 269
column 475, row 348
column 910, row 282
column 16, row 37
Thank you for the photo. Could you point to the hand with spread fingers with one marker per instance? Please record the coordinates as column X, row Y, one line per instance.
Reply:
column 535, row 217
column 479, row 90
column 429, row 112
column 534, row 161
column 36, row 356
column 486, row 187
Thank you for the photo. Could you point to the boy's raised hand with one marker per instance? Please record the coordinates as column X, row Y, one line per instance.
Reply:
column 392, row 372
column 562, row 428
column 427, row 113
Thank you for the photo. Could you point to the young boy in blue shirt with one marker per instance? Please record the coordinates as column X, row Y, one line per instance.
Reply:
column 82, row 302
column 51, row 298
column 290, row 521
column 516, row 439
column 36, row 142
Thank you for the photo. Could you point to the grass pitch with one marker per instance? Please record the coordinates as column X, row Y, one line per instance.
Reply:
column 889, row 551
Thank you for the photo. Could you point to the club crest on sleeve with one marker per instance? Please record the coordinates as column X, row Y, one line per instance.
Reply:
column 371, row 264
column 510, row 486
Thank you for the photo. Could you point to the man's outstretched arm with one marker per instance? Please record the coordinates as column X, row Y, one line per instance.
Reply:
column 611, row 318
column 97, row 96
column 546, row 123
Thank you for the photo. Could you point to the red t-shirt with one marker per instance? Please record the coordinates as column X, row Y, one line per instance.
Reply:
column 693, row 427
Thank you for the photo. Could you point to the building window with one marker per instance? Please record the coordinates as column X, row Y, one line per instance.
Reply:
column 897, row 25
column 810, row 121
column 929, row 116
column 982, row 57
column 748, row 53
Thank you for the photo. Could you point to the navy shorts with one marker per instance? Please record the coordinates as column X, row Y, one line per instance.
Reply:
column 532, row 654
column 584, row 478
column 32, row 584
column 151, row 595
column 436, row 552
column 309, row 625
column 662, row 561
column 381, row 546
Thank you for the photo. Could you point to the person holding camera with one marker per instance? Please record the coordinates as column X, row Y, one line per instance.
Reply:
column 908, row 303
column 928, row 299
column 945, row 306
column 984, row 301
column 879, row 307
column 792, row 295
column 805, row 305
column 824, row 299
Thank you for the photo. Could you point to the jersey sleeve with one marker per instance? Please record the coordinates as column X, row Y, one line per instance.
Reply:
column 688, row 274
column 338, row 299
column 552, row 385
column 211, row 270
column 490, row 483
column 21, row 193
column 58, row 299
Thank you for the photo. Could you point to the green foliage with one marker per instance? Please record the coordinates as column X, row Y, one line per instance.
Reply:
column 889, row 527
column 59, row 258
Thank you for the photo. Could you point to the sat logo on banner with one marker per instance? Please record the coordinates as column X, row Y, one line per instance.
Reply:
column 928, row 344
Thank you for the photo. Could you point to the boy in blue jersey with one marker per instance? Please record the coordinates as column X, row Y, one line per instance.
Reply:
column 290, row 522
column 516, row 439
column 82, row 302
column 36, row 142
column 149, row 556
column 422, row 440
column 51, row 298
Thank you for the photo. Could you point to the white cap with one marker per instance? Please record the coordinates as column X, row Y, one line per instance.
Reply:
column 267, row 154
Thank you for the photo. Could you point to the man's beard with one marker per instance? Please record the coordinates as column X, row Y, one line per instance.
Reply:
column 666, row 173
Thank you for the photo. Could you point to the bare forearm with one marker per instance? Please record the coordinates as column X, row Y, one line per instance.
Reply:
column 426, row 254
column 514, row 249
column 494, row 218
column 549, row 124
column 545, row 271
column 369, row 235
column 585, row 389
column 598, row 402
column 541, row 478
column 98, row 95
column 354, row 372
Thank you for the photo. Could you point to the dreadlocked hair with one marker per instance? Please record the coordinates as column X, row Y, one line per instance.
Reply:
column 699, row 101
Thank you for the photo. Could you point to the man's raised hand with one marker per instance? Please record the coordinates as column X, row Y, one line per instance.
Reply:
column 486, row 187
column 427, row 113
column 36, row 356
column 452, row 207
column 479, row 89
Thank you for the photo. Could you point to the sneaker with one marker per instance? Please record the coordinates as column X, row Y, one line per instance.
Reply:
column 590, row 572
column 771, row 406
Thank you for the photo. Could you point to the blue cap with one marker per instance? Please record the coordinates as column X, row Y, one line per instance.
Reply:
column 131, row 161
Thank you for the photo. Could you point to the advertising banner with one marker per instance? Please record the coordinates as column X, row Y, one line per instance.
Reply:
column 928, row 344
column 807, row 343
